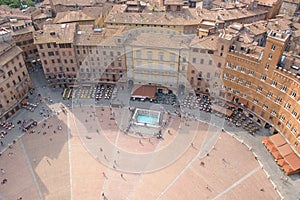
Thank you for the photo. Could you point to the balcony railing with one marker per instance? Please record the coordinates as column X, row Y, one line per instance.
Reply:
column 155, row 71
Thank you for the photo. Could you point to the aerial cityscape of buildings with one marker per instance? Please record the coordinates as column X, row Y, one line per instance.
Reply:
column 243, row 54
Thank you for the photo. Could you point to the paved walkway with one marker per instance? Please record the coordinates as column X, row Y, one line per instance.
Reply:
column 289, row 189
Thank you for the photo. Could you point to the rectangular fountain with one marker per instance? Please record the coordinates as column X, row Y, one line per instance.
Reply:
column 144, row 117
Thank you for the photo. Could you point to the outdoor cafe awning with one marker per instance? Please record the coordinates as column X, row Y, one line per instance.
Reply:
column 145, row 91
column 277, row 140
column 24, row 101
column 231, row 104
column 221, row 110
column 283, row 153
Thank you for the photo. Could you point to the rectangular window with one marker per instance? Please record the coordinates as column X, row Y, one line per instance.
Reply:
column 208, row 75
column 274, row 83
column 255, row 101
column 288, row 124
column 161, row 57
column 228, row 64
column 210, row 62
column 172, row 67
column 149, row 55
column 201, row 61
column 259, row 89
column 248, row 83
column 293, row 94
column 273, row 47
column 50, row 53
column 278, row 100
column 138, row 54
column 267, row 66
column 243, row 69
column 9, row 73
column 295, row 113
column 283, row 88
column 263, row 77
column 282, row 117
column 269, row 95
column 194, row 60
column 235, row 67
column 287, row 106
column 251, row 73
column 270, row 57
column 172, row 57
column 274, row 112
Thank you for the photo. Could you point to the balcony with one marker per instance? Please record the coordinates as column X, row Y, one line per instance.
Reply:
column 155, row 71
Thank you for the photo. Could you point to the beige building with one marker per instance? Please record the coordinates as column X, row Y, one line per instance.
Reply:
column 272, row 6
column 266, row 85
column 22, row 32
column 186, row 22
column 157, row 59
column 14, row 79
column 67, row 5
column 41, row 15
column 206, row 61
column 55, row 44
column 224, row 18
column 291, row 8
column 87, row 16
column 100, row 54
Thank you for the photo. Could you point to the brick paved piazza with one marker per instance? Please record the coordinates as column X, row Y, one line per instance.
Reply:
column 90, row 157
